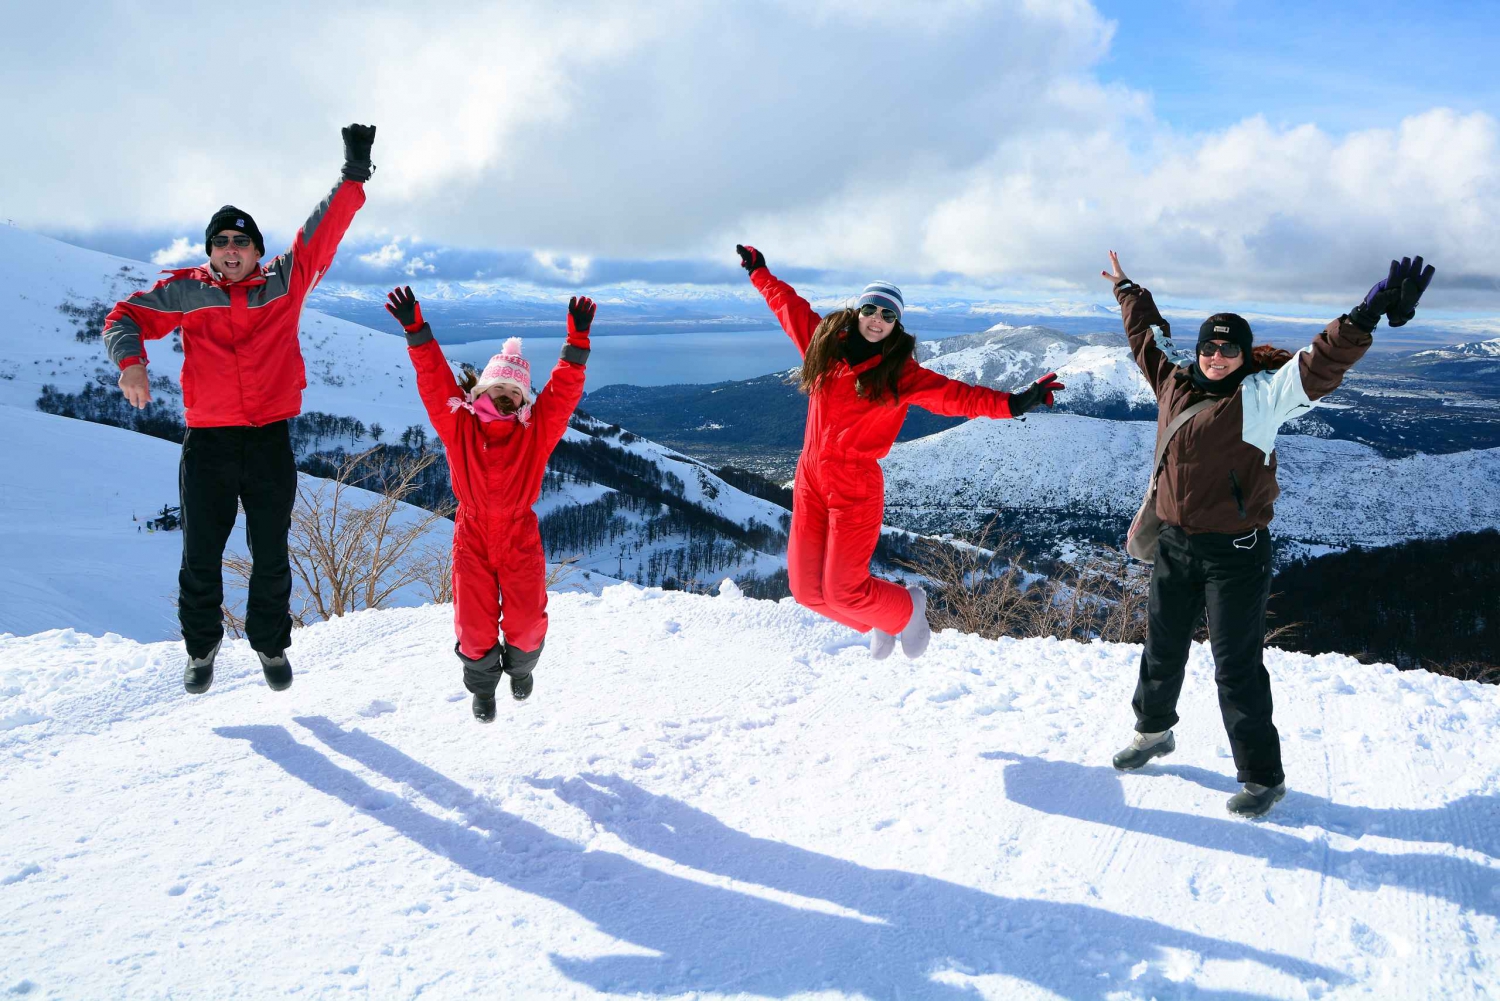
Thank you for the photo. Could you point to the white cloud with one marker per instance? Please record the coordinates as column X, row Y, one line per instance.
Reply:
column 962, row 135
column 390, row 256
column 181, row 251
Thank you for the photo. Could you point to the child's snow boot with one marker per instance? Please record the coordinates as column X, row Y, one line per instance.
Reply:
column 881, row 644
column 520, row 687
column 484, row 707
column 1255, row 800
column 519, row 664
column 917, row 634
column 1143, row 748
column 199, row 673
column 277, row 669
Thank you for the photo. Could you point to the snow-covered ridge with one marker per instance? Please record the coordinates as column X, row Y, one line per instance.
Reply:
column 1097, row 368
column 1470, row 349
column 1333, row 492
column 727, row 798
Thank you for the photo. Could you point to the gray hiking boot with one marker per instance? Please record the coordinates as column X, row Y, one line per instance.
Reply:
column 1255, row 800
column 277, row 669
column 1143, row 748
column 199, row 673
column 881, row 644
column 917, row 634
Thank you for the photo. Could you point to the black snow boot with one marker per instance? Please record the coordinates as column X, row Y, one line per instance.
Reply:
column 519, row 664
column 199, row 673
column 520, row 687
column 1255, row 800
column 1143, row 748
column 484, row 707
column 277, row 669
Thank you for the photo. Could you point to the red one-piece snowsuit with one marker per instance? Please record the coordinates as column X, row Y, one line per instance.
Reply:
column 496, row 469
column 838, row 502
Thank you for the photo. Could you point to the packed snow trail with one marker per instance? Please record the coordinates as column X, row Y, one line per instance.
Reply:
column 713, row 796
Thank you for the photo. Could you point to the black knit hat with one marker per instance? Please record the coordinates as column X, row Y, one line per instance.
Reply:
column 1231, row 327
column 230, row 217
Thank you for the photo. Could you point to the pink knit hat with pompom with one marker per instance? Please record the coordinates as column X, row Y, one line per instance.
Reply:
column 506, row 367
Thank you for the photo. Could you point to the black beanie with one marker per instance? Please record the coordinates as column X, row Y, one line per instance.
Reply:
column 1231, row 327
column 230, row 217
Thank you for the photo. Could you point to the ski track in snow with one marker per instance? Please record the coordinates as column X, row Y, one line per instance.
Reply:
column 721, row 797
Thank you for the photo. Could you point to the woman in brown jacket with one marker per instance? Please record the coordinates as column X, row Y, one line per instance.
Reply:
column 1214, row 496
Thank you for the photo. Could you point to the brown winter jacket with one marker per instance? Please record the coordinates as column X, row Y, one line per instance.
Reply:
column 1219, row 473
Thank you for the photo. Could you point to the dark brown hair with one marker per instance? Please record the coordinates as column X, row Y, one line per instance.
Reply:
column 874, row 384
column 1266, row 358
column 468, row 380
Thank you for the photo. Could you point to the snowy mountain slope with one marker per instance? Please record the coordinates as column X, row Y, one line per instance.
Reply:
column 1097, row 368
column 352, row 371
column 1333, row 492
column 719, row 797
column 72, row 553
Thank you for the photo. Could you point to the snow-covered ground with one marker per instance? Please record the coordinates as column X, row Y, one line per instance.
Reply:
column 718, row 797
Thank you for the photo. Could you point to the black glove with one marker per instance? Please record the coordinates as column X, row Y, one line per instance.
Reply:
column 1038, row 392
column 404, row 307
column 580, row 318
column 750, row 258
column 357, row 142
column 1395, row 295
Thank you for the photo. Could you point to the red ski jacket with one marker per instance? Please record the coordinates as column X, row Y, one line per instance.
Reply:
column 241, row 362
column 496, row 467
column 841, row 424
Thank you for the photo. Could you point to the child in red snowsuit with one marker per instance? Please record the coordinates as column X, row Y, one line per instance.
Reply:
column 498, row 435
column 860, row 376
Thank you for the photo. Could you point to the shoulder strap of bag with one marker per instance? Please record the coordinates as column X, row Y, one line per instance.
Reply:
column 1173, row 428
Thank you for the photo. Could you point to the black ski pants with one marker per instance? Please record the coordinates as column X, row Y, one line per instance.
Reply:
column 221, row 469
column 1230, row 576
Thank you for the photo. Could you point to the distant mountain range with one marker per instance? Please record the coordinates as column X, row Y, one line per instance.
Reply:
column 1436, row 401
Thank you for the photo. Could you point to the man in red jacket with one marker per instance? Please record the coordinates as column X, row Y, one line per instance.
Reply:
column 242, row 378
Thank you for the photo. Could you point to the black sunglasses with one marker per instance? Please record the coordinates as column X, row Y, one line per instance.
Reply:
column 1209, row 348
column 240, row 241
column 869, row 308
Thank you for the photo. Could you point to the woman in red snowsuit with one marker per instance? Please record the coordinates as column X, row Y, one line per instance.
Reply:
column 860, row 375
column 498, row 435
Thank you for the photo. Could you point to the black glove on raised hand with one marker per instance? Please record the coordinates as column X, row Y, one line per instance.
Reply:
column 404, row 307
column 1038, row 392
column 357, row 142
column 580, row 319
column 750, row 258
column 1395, row 295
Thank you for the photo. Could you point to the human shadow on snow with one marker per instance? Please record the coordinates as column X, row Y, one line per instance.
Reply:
column 1094, row 793
column 714, row 938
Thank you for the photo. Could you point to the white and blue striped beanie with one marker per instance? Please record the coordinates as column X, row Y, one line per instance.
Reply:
column 883, row 294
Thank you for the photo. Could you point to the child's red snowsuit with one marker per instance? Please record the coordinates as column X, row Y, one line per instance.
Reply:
column 838, row 502
column 496, row 469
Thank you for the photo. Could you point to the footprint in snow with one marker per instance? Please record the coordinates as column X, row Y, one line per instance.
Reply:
column 379, row 707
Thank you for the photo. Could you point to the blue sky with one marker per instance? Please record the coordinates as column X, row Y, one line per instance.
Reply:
column 1345, row 66
column 1266, row 152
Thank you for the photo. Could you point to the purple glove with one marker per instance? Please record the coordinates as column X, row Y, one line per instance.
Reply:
column 1396, row 295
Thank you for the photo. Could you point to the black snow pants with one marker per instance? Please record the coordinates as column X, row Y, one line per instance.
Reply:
column 1231, row 577
column 222, row 468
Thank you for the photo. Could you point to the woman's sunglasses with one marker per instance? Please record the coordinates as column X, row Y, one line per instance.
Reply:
column 1208, row 348
column 239, row 241
column 869, row 308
